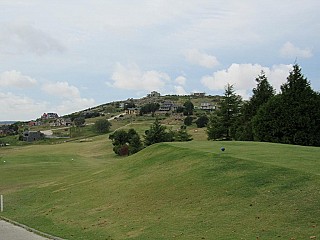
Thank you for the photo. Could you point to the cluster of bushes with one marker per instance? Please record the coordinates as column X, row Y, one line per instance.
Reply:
column 129, row 142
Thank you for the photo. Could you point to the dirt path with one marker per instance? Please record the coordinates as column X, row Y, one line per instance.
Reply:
column 9, row 231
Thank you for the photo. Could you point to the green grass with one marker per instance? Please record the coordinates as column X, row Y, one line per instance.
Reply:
column 171, row 190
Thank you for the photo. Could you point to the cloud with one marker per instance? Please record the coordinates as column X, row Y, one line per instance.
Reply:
column 61, row 89
column 194, row 56
column 243, row 76
column 288, row 50
column 21, row 38
column 132, row 78
column 72, row 100
column 179, row 90
column 15, row 78
column 181, row 80
column 15, row 107
column 73, row 105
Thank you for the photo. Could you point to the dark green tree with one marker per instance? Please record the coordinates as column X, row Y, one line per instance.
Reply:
column 102, row 126
column 202, row 121
column 156, row 134
column 149, row 108
column 188, row 121
column 188, row 108
column 182, row 135
column 261, row 95
column 215, row 128
column 223, row 125
column 126, row 143
column 293, row 116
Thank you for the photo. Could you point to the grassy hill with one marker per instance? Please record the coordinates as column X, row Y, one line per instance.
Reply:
column 81, row 190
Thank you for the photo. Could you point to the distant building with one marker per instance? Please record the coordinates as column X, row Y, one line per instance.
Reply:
column 153, row 94
column 61, row 122
column 49, row 116
column 166, row 106
column 207, row 106
column 31, row 136
column 132, row 111
column 198, row 94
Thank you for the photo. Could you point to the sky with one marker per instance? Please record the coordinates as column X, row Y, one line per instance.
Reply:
column 65, row 56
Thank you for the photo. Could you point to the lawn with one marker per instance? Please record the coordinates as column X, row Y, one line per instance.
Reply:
column 192, row 190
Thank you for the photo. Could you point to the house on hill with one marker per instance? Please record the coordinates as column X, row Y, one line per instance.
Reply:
column 132, row 111
column 207, row 106
column 49, row 116
column 198, row 94
column 153, row 94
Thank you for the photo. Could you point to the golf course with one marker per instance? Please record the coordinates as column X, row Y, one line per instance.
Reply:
column 177, row 190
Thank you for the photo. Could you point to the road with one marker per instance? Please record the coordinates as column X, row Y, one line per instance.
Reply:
column 9, row 231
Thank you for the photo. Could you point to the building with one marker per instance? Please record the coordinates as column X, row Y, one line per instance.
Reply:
column 31, row 136
column 198, row 94
column 132, row 111
column 207, row 106
column 153, row 94
column 49, row 116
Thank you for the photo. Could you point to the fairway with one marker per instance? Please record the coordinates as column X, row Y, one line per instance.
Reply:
column 192, row 190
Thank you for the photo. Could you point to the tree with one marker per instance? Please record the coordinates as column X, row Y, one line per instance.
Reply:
column 293, row 116
column 188, row 121
column 149, row 108
column 215, row 128
column 188, row 108
column 261, row 95
column 126, row 143
column 102, row 126
column 79, row 121
column 182, row 135
column 202, row 121
column 156, row 134
column 223, row 125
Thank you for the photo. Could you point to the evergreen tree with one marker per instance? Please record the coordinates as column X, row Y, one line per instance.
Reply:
column 188, row 108
column 223, row 126
column 182, row 135
column 157, row 133
column 261, row 95
column 293, row 116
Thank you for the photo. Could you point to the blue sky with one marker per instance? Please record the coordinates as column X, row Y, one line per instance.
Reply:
column 64, row 56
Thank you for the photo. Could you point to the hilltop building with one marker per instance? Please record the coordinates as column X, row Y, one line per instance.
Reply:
column 49, row 116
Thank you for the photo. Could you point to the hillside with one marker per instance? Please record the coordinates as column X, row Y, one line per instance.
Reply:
column 170, row 190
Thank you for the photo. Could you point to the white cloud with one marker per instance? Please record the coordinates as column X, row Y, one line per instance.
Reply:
column 73, row 105
column 181, row 80
column 15, row 107
column 21, row 38
column 289, row 50
column 179, row 90
column 132, row 78
column 15, row 78
column 72, row 100
column 243, row 76
column 196, row 57
column 62, row 89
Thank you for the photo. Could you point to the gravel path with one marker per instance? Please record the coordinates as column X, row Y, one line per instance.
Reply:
column 9, row 231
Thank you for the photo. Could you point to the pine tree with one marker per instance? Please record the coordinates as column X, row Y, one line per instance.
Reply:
column 293, row 116
column 223, row 126
column 156, row 134
column 261, row 95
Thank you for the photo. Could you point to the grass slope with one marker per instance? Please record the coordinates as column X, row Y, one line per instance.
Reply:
column 170, row 190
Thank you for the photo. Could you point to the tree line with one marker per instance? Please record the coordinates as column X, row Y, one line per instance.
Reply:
column 291, row 116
